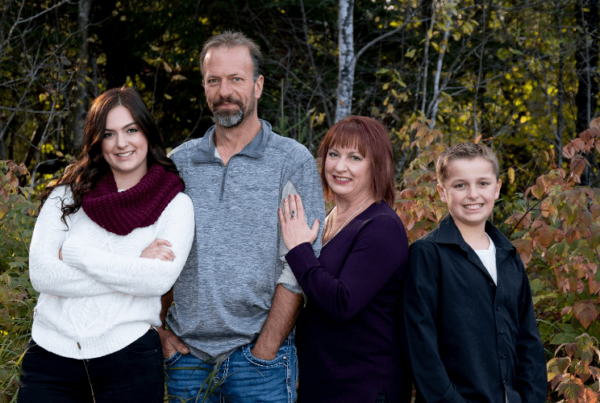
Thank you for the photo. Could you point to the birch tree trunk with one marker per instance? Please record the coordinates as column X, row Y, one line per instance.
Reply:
column 348, row 58
column 435, row 100
column 586, row 56
column 560, row 116
column 81, row 98
column 347, row 62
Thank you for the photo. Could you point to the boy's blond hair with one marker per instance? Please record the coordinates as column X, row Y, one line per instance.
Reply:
column 464, row 151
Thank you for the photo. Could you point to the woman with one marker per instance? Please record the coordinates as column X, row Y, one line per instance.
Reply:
column 348, row 336
column 111, row 238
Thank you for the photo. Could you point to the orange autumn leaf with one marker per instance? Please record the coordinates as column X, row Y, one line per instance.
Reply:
column 585, row 312
column 588, row 396
column 524, row 247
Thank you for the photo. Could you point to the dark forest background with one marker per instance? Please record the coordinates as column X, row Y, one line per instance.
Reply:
column 521, row 74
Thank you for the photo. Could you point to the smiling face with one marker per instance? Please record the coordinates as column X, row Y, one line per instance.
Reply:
column 124, row 148
column 348, row 173
column 469, row 190
column 231, row 91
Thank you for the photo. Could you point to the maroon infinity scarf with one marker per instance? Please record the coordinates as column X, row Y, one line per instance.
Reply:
column 139, row 206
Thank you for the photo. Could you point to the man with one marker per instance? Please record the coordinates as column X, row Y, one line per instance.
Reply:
column 236, row 300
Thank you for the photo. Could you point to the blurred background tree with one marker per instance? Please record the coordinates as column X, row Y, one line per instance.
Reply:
column 521, row 74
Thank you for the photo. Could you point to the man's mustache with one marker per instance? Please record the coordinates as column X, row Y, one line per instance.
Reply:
column 229, row 100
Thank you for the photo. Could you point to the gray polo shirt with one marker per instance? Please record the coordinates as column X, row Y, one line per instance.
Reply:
column 225, row 290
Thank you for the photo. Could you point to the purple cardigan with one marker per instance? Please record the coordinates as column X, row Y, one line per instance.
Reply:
column 348, row 336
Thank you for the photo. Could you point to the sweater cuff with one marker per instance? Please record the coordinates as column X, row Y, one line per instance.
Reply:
column 301, row 258
column 71, row 254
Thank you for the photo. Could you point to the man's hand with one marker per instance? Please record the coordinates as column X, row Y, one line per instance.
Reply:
column 171, row 343
column 280, row 322
column 158, row 249
column 264, row 353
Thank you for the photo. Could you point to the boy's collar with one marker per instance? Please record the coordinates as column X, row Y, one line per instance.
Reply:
column 448, row 233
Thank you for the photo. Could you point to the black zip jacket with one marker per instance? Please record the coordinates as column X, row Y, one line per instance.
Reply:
column 468, row 339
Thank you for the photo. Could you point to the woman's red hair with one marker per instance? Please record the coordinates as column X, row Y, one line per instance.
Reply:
column 372, row 140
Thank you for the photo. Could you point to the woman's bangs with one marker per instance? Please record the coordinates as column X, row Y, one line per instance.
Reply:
column 349, row 139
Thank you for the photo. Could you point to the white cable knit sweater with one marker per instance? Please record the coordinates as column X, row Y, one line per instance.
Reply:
column 102, row 296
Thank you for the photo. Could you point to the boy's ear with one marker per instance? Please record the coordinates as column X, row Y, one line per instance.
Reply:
column 442, row 193
column 498, row 187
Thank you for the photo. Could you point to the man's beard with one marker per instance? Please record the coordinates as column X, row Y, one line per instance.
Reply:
column 231, row 119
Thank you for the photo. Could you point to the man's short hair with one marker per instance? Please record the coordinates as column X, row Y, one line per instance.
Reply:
column 467, row 151
column 231, row 39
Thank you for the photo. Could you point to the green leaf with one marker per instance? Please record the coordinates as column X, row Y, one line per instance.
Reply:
column 570, row 387
column 563, row 338
column 536, row 285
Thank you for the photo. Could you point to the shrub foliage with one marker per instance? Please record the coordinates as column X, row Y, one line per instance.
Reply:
column 17, row 296
column 554, row 224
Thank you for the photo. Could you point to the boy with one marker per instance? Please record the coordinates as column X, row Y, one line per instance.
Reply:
column 470, row 324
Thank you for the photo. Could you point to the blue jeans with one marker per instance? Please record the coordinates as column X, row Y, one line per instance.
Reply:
column 240, row 378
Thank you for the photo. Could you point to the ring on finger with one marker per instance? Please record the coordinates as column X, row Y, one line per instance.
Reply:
column 292, row 215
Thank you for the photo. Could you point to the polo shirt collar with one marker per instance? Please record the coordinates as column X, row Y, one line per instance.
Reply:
column 255, row 149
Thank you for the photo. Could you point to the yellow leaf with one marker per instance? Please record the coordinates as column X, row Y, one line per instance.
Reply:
column 3, row 210
column 511, row 175
column 101, row 60
column 321, row 117
column 168, row 96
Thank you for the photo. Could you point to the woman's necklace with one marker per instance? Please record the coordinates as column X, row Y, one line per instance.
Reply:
column 327, row 230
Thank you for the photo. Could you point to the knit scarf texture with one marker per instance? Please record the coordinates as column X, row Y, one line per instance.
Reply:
column 136, row 207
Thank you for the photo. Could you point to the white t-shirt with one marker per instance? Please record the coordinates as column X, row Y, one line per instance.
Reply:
column 488, row 258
